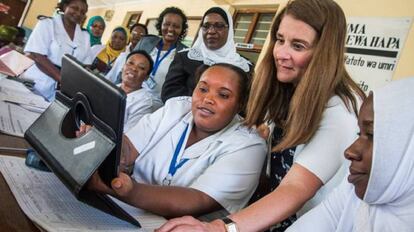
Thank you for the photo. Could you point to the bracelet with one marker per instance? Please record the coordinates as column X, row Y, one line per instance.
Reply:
column 230, row 225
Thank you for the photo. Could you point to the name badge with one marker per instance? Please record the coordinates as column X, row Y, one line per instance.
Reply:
column 151, row 82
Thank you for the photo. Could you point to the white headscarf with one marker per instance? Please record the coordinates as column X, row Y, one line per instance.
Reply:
column 225, row 54
column 390, row 190
column 388, row 203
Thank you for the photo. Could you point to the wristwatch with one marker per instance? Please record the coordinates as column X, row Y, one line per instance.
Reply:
column 230, row 225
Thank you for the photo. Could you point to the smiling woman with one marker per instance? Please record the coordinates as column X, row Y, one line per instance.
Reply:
column 139, row 102
column 53, row 37
column 214, row 44
column 181, row 150
column 172, row 27
column 301, row 88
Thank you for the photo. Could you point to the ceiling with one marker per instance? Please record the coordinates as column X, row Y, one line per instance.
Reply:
column 110, row 3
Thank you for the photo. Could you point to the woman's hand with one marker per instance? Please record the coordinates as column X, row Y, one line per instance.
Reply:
column 188, row 223
column 263, row 131
column 121, row 187
column 82, row 130
column 96, row 184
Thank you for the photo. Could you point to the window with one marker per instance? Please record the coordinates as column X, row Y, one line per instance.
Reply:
column 250, row 31
column 132, row 18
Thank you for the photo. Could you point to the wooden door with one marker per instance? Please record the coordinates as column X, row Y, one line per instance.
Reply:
column 15, row 12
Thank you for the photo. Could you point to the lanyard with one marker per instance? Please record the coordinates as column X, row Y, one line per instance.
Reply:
column 159, row 59
column 174, row 166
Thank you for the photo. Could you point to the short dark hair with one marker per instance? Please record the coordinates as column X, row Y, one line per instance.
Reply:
column 177, row 11
column 60, row 4
column 144, row 53
column 244, row 80
column 139, row 25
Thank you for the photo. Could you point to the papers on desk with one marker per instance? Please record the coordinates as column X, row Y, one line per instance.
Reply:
column 47, row 202
column 16, row 92
column 14, row 63
column 14, row 119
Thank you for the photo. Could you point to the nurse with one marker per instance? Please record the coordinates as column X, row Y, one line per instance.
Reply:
column 193, row 155
column 139, row 101
column 51, row 39
column 137, row 31
column 214, row 44
column 172, row 28
column 102, row 57
column 95, row 27
column 378, row 193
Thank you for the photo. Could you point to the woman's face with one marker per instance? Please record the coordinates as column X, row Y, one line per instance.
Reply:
column 136, row 34
column 135, row 71
column 97, row 28
column 118, row 40
column 216, row 99
column 75, row 11
column 360, row 152
column 293, row 49
column 171, row 27
column 215, row 31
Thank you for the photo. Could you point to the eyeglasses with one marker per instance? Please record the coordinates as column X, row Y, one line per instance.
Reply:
column 215, row 26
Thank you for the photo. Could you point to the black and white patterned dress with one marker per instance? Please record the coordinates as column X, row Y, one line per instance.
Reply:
column 280, row 163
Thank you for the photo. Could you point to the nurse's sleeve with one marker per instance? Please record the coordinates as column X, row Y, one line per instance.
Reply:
column 327, row 215
column 41, row 37
column 233, row 177
column 323, row 155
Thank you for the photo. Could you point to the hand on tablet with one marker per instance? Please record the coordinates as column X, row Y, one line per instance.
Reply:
column 121, row 187
column 83, row 129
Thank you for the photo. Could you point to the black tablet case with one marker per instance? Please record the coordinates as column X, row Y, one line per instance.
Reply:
column 95, row 101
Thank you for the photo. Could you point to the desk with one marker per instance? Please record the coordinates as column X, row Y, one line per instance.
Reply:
column 12, row 217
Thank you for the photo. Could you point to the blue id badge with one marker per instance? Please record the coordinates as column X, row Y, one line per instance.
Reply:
column 151, row 82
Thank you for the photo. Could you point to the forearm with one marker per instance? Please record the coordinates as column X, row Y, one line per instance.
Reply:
column 270, row 210
column 298, row 186
column 170, row 201
column 128, row 156
column 46, row 66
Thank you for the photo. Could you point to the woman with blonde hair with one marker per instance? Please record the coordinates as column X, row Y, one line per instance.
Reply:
column 302, row 88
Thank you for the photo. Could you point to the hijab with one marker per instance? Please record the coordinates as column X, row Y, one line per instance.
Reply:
column 390, row 190
column 94, row 39
column 225, row 54
column 388, row 203
column 108, row 55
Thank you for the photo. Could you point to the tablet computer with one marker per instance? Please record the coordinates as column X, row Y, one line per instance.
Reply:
column 91, row 99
